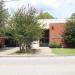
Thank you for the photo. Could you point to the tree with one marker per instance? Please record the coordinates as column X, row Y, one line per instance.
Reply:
column 45, row 15
column 3, row 20
column 3, row 17
column 3, row 13
column 24, row 27
column 69, row 34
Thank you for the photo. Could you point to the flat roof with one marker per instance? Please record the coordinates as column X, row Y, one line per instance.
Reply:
column 46, row 22
column 52, row 20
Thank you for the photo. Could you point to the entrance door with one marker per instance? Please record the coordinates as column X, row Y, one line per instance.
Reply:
column 44, row 41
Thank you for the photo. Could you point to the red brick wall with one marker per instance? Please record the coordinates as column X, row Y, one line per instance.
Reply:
column 56, row 30
column 2, row 42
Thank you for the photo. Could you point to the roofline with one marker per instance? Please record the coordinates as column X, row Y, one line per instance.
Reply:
column 53, row 20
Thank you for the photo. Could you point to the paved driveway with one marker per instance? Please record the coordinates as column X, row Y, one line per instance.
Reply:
column 37, row 65
column 40, row 51
column 44, row 51
column 8, row 50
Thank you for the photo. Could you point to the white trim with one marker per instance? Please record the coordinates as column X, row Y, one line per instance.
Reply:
column 46, row 22
column 52, row 20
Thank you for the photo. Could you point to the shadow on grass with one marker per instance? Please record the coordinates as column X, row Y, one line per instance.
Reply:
column 32, row 51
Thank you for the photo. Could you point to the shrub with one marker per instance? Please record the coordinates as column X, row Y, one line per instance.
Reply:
column 55, row 45
column 69, row 33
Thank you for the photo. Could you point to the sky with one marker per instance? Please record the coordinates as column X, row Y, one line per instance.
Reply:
column 60, row 9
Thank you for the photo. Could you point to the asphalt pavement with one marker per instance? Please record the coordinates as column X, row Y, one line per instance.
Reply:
column 64, row 65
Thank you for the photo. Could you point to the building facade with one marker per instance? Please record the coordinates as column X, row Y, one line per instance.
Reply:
column 2, row 42
column 53, row 31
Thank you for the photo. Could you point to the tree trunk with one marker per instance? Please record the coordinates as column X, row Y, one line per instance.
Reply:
column 28, row 47
column 20, row 45
column 23, row 49
column 24, row 46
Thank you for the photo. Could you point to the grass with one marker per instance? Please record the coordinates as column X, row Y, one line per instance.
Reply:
column 63, row 51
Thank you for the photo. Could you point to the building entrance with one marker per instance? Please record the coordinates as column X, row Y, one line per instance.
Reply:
column 44, row 41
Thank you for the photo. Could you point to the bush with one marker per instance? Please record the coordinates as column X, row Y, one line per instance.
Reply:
column 55, row 45
column 69, row 33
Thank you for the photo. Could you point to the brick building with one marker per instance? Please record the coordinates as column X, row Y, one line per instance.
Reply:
column 53, row 31
column 2, row 42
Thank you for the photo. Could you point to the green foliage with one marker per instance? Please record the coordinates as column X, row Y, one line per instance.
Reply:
column 3, row 13
column 73, row 16
column 55, row 45
column 24, row 26
column 69, row 35
column 45, row 15
column 3, row 18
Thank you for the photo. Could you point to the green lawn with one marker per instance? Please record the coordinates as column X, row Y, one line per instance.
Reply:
column 63, row 51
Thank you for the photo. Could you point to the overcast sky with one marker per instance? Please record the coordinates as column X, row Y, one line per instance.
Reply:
column 57, row 8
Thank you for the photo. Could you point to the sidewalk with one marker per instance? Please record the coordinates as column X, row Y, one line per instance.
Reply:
column 41, row 51
column 8, row 50
column 44, row 51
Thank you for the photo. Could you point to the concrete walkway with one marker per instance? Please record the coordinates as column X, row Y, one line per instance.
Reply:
column 41, row 51
column 8, row 50
column 44, row 51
